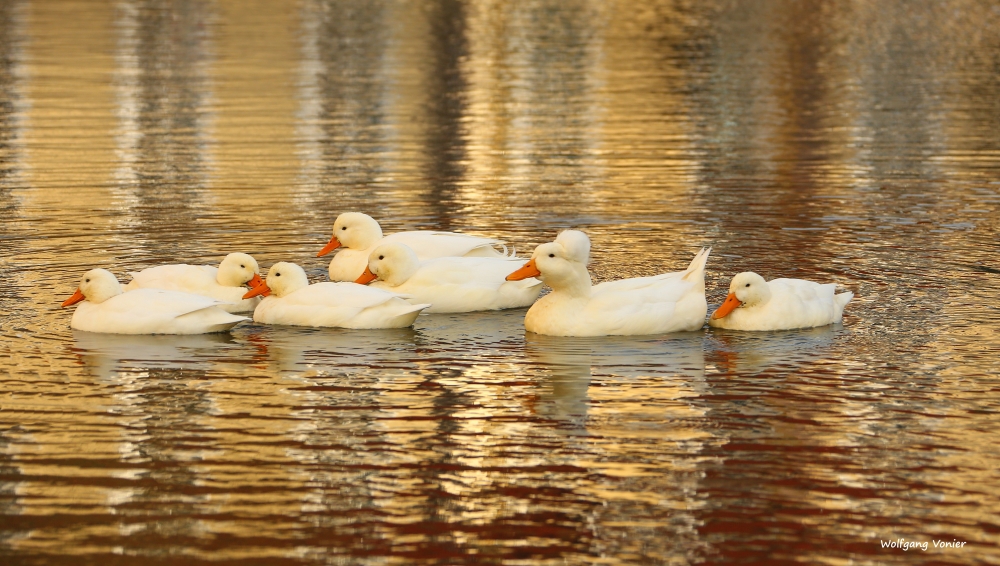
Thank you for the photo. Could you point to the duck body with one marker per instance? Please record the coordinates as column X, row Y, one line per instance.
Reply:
column 450, row 284
column 195, row 279
column 779, row 304
column 670, row 302
column 357, row 235
column 330, row 304
column 224, row 283
column 643, row 305
column 145, row 311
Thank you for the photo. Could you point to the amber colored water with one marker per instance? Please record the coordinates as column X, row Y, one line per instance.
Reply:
column 856, row 143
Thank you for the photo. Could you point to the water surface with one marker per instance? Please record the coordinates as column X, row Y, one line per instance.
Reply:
column 853, row 143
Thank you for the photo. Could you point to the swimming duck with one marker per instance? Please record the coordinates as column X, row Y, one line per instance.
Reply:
column 290, row 299
column 669, row 302
column 779, row 304
column 358, row 234
column 106, row 308
column 449, row 284
column 225, row 283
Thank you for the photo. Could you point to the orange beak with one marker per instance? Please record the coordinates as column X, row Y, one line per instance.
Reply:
column 731, row 303
column 366, row 277
column 261, row 289
column 255, row 281
column 76, row 298
column 526, row 271
column 333, row 244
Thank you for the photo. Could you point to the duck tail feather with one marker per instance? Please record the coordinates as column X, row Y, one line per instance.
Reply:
column 697, row 266
column 843, row 298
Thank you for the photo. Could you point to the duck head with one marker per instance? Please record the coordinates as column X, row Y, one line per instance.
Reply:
column 561, row 264
column 96, row 286
column 283, row 278
column 746, row 290
column 392, row 263
column 237, row 270
column 353, row 230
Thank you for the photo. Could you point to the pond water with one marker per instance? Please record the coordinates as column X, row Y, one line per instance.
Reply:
column 855, row 143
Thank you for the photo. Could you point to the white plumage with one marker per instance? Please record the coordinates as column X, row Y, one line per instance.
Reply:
column 224, row 283
column 357, row 235
column 449, row 284
column 106, row 308
column 779, row 304
column 347, row 305
column 669, row 302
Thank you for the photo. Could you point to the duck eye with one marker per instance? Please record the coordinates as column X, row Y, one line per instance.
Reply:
column 277, row 275
column 552, row 255
column 87, row 281
column 344, row 228
column 381, row 257
column 243, row 267
column 748, row 284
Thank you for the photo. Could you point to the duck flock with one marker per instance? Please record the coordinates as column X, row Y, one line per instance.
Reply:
column 381, row 281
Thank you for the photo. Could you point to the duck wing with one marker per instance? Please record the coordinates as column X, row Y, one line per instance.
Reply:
column 634, row 284
column 429, row 244
column 156, row 311
column 647, row 305
column 469, row 272
column 178, row 277
column 805, row 291
column 694, row 272
column 322, row 304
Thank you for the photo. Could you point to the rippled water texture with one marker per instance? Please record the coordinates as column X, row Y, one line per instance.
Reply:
column 851, row 142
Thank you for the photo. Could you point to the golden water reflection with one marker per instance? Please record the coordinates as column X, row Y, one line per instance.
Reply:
column 847, row 143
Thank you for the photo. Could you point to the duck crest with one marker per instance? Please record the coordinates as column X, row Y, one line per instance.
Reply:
column 576, row 244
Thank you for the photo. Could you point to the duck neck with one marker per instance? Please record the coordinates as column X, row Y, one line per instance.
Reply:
column 576, row 284
column 228, row 279
column 368, row 235
column 105, row 292
column 400, row 273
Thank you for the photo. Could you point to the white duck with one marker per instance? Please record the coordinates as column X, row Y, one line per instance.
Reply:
column 291, row 300
column 449, row 284
column 779, row 304
column 669, row 302
column 359, row 234
column 225, row 283
column 106, row 308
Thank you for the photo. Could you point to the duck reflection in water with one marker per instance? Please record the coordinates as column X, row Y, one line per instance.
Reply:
column 320, row 350
column 102, row 354
column 304, row 350
column 569, row 365
column 738, row 352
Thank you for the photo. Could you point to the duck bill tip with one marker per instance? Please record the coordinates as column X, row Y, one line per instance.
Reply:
column 74, row 299
column 527, row 270
column 366, row 277
column 333, row 244
column 729, row 305
column 261, row 290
